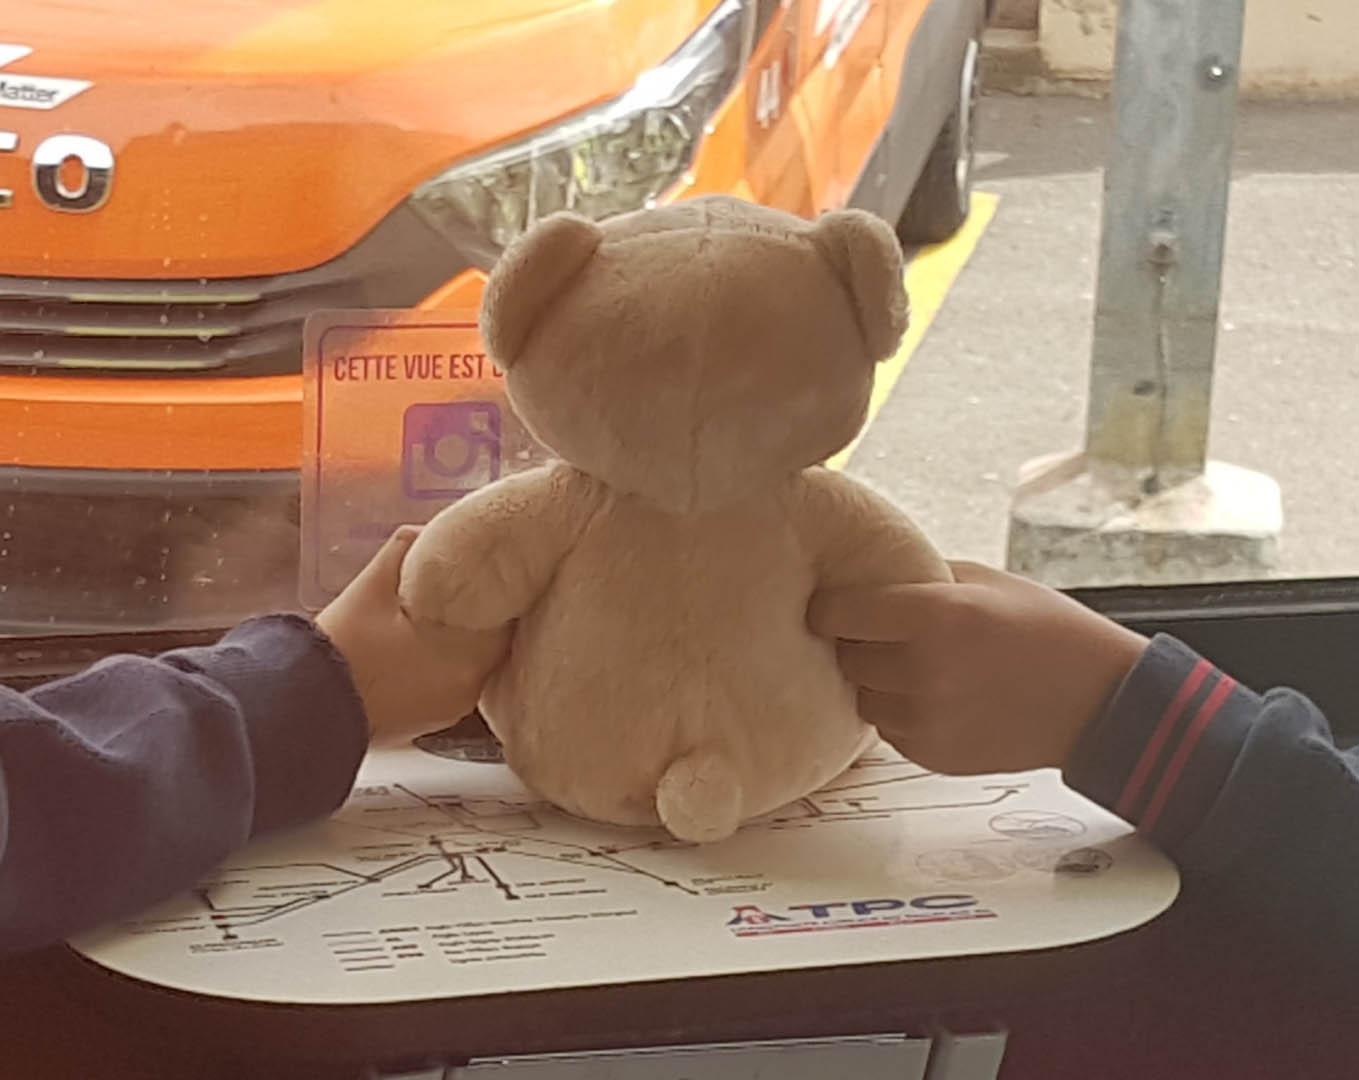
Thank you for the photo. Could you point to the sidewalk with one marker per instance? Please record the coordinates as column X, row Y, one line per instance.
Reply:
column 1001, row 376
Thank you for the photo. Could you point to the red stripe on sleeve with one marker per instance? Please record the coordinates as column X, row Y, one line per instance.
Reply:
column 1191, row 737
column 1152, row 751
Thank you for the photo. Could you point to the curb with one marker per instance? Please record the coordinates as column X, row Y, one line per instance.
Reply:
column 1012, row 63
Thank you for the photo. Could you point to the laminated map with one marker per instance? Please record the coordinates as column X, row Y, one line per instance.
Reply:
column 444, row 877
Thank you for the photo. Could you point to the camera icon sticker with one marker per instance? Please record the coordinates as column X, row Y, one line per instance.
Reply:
column 449, row 449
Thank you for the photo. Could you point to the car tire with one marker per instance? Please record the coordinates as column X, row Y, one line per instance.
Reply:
column 942, row 197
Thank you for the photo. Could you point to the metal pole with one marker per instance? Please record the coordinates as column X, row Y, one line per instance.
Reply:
column 1164, row 220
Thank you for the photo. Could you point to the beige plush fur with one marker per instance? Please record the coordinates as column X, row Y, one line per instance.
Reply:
column 692, row 366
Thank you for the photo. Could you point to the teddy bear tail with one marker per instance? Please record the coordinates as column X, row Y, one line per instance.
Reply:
column 699, row 797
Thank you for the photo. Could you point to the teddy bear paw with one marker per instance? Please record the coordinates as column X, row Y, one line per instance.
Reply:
column 439, row 592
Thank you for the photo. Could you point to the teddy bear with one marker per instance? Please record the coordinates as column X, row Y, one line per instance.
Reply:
column 690, row 367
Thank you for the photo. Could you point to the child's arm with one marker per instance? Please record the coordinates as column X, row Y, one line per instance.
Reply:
column 996, row 673
column 485, row 560
column 857, row 537
column 123, row 784
column 1249, row 792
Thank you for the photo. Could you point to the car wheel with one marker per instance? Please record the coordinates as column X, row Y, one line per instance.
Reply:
column 942, row 197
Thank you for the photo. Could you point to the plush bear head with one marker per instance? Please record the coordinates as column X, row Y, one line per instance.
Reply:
column 693, row 353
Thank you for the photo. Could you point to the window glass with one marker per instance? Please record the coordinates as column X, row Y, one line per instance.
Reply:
column 182, row 186
column 1003, row 376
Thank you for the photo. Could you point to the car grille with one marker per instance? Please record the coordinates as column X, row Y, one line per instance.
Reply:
column 231, row 326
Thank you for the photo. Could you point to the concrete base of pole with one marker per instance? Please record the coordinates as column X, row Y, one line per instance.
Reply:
column 1076, row 526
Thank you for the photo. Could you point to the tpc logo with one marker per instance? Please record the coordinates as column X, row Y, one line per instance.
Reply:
column 750, row 920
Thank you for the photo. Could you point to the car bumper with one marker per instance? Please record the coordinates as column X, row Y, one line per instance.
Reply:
column 106, row 550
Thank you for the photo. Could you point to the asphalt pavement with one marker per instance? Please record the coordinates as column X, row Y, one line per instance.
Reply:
column 1002, row 375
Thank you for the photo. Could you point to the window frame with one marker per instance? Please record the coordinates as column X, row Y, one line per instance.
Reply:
column 1297, row 633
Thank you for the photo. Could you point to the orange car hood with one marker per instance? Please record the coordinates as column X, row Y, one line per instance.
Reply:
column 261, row 136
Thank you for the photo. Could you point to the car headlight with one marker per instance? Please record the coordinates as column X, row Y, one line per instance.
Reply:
column 612, row 158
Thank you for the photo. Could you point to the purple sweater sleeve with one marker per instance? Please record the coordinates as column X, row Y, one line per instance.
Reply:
column 1249, row 792
column 121, row 785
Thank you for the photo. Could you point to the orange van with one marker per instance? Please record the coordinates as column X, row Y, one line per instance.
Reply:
column 182, row 183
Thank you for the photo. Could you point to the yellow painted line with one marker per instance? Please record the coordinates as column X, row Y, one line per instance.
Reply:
column 929, row 277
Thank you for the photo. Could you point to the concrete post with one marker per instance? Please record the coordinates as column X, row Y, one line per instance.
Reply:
column 1142, row 503
column 1165, row 217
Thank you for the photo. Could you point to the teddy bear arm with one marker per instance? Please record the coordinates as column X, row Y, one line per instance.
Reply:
column 485, row 560
column 858, row 537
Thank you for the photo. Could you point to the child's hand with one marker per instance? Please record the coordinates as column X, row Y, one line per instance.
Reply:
column 992, row 674
column 409, row 684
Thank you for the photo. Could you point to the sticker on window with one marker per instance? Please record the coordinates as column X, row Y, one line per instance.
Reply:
column 404, row 414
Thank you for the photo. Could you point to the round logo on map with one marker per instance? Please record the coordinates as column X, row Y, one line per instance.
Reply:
column 1076, row 861
column 962, row 864
column 1036, row 825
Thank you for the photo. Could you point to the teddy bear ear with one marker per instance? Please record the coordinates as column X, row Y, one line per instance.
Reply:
column 533, row 271
column 867, row 258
